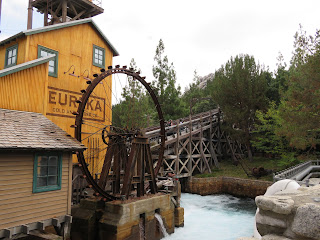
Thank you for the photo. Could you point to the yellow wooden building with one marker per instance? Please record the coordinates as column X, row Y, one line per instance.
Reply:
column 43, row 70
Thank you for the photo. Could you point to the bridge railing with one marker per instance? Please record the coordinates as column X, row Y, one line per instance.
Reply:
column 153, row 133
column 298, row 172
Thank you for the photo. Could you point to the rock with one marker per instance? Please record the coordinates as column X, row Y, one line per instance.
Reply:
column 306, row 222
column 247, row 238
column 277, row 204
column 270, row 221
column 274, row 237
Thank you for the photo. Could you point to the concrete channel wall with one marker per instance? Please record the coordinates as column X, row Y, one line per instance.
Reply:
column 228, row 185
column 125, row 220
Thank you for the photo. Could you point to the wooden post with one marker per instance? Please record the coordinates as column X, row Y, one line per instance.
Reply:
column 45, row 17
column 128, row 174
column 150, row 170
column 116, row 169
column 204, row 159
column 219, row 133
column 212, row 151
column 29, row 25
column 190, row 146
column 177, row 149
column 106, row 165
column 64, row 10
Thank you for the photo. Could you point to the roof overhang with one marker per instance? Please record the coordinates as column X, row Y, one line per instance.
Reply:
column 25, row 65
column 59, row 26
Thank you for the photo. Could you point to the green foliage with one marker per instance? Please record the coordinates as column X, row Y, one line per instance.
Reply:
column 197, row 98
column 239, row 88
column 135, row 110
column 300, row 109
column 165, row 85
column 288, row 159
column 265, row 134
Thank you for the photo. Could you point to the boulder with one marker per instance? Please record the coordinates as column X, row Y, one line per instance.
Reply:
column 306, row 222
column 276, row 204
column 274, row 237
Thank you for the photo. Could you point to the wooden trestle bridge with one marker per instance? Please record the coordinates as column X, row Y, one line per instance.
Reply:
column 195, row 145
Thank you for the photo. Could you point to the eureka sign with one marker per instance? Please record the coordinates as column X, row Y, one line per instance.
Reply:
column 62, row 103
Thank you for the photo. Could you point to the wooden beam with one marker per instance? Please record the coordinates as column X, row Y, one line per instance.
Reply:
column 56, row 222
column 201, row 149
column 106, row 165
column 25, row 229
column 8, row 233
column 41, row 226
column 64, row 7
column 129, row 170
column 58, row 8
column 45, row 17
column 73, row 8
column 78, row 15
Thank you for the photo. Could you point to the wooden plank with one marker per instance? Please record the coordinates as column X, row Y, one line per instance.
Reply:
column 70, row 193
column 26, row 200
column 39, row 211
column 30, row 206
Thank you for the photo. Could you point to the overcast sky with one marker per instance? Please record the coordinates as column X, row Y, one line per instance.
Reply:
column 198, row 35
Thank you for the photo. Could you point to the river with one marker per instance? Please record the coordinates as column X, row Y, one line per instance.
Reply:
column 215, row 217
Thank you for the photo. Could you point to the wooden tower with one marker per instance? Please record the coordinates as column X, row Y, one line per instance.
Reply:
column 59, row 11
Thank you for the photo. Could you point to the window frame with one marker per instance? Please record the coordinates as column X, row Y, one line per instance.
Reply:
column 6, row 65
column 103, row 57
column 48, row 50
column 35, row 188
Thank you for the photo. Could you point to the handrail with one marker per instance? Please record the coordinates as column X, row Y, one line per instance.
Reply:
column 293, row 172
column 155, row 132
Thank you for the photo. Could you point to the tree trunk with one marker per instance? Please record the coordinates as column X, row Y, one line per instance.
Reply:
column 250, row 157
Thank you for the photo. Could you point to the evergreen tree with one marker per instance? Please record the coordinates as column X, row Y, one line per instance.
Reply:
column 197, row 94
column 265, row 134
column 300, row 108
column 135, row 109
column 239, row 87
column 165, row 85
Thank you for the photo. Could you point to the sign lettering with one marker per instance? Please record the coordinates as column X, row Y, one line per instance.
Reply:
column 63, row 102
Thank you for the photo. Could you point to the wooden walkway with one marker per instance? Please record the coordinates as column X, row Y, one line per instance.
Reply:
column 194, row 146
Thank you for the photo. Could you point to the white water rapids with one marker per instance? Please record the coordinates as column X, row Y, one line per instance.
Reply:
column 215, row 217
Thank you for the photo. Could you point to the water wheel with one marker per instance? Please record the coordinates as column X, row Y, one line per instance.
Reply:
column 118, row 162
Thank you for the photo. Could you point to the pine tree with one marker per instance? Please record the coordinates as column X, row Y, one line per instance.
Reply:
column 239, row 87
column 300, row 108
column 165, row 85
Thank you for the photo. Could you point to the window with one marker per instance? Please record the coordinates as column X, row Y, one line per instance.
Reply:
column 47, row 172
column 53, row 64
column 98, row 56
column 11, row 56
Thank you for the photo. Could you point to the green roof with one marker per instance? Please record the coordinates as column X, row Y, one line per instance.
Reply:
column 25, row 65
column 59, row 26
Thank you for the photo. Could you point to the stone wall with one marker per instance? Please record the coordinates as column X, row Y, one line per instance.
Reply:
column 236, row 186
column 291, row 214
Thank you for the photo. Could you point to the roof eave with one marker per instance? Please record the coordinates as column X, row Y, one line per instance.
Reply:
column 12, row 38
column 26, row 65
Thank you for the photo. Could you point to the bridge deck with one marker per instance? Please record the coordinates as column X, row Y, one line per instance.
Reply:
column 193, row 146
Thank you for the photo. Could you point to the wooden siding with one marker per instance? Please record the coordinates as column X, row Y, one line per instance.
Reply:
column 18, row 205
column 22, row 44
column 75, row 47
column 16, row 93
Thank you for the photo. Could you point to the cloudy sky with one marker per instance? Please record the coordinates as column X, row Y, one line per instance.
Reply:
column 198, row 35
